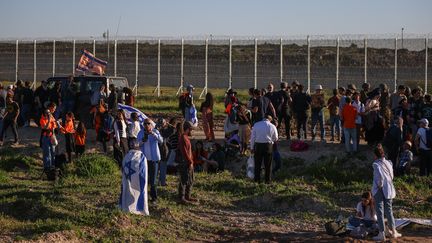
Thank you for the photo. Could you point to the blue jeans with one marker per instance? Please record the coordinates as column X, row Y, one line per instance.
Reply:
column 318, row 117
column 384, row 207
column 335, row 124
column 152, row 175
column 48, row 152
column 162, row 172
column 25, row 113
column 356, row 222
column 350, row 134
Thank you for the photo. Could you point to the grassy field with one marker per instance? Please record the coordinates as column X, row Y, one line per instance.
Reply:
column 82, row 206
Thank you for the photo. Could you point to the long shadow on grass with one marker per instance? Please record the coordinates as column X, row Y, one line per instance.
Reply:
column 31, row 206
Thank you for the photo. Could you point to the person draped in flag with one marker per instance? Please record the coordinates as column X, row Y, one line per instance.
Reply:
column 133, row 197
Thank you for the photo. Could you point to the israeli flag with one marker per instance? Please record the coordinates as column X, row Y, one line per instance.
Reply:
column 133, row 197
column 141, row 117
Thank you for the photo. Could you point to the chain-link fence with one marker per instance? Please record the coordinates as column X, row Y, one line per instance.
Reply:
column 224, row 63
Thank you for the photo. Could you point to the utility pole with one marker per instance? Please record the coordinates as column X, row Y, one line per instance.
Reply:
column 402, row 38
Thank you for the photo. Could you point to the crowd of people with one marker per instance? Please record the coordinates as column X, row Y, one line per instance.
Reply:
column 396, row 120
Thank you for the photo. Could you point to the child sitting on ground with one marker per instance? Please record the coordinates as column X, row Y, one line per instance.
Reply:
column 365, row 212
column 406, row 156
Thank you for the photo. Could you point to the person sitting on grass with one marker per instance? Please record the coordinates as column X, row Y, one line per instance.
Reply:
column 80, row 139
column 199, row 156
column 365, row 212
column 216, row 161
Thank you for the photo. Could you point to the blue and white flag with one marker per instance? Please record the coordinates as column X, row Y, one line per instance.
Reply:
column 133, row 197
column 128, row 110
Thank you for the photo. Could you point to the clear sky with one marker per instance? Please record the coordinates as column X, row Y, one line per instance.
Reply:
column 78, row 18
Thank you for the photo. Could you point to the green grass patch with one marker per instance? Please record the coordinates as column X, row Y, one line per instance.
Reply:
column 93, row 166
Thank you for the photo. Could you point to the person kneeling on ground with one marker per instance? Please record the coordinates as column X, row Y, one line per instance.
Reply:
column 365, row 212
column 216, row 162
column 199, row 156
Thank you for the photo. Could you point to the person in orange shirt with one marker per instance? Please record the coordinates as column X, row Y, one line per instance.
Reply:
column 68, row 129
column 349, row 114
column 80, row 139
column 48, row 140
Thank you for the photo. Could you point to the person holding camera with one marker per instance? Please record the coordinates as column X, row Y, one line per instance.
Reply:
column 48, row 139
column 150, row 148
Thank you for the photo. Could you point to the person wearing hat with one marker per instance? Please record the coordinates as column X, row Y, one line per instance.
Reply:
column 228, row 97
column 406, row 157
column 186, row 102
column 424, row 151
column 317, row 106
column 374, row 130
column 185, row 164
column 363, row 93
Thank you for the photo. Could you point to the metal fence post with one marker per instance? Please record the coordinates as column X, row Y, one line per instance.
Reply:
column 54, row 60
column 73, row 57
column 136, row 69
column 426, row 65
column 395, row 68
column 230, row 65
column 158, row 69
column 281, row 60
column 180, row 89
column 94, row 47
column 365, row 60
column 16, row 61
column 337, row 63
column 34, row 65
column 255, row 63
column 204, row 91
column 115, row 58
column 308, row 64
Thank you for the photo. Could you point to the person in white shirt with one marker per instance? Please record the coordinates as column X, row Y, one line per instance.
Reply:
column 264, row 135
column 383, row 192
column 360, row 112
column 424, row 151
column 120, row 137
column 365, row 211
column 134, row 129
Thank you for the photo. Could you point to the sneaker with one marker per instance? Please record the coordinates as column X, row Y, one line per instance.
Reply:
column 379, row 237
column 394, row 234
column 183, row 202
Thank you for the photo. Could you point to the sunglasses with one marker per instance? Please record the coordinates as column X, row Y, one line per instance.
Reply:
column 147, row 123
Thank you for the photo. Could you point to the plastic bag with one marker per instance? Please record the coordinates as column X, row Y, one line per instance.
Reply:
column 250, row 171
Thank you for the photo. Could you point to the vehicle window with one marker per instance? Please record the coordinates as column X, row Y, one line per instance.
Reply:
column 119, row 82
column 90, row 85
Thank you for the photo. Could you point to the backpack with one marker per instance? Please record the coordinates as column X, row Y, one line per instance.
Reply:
column 108, row 124
column 298, row 146
column 233, row 115
column 52, row 173
column 428, row 142
column 334, row 228
column 182, row 101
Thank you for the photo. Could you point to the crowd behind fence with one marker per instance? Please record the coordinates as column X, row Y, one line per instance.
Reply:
column 227, row 63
